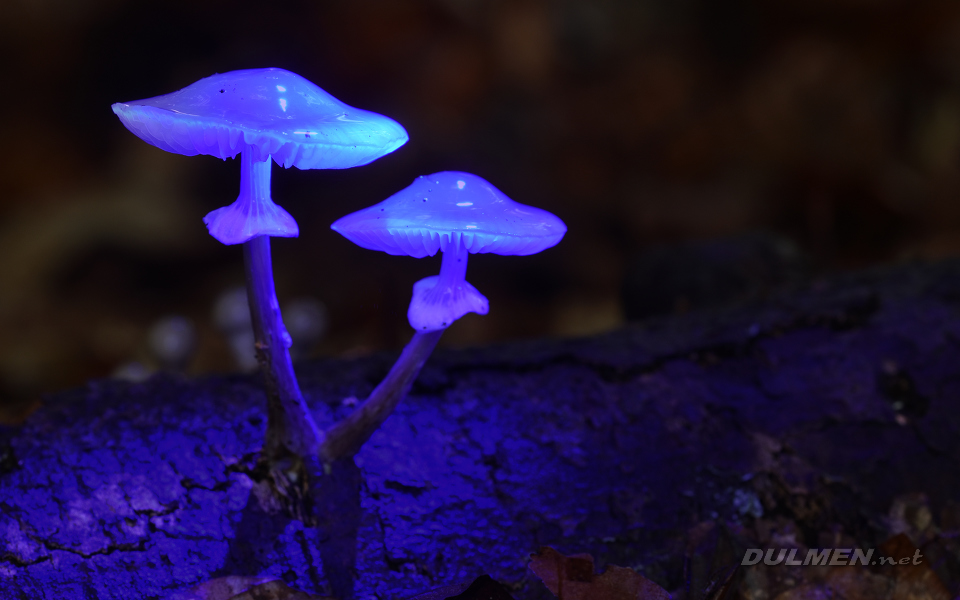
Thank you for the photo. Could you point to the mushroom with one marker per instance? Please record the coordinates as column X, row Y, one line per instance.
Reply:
column 458, row 214
column 263, row 114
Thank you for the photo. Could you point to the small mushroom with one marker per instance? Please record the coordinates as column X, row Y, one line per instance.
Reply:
column 458, row 214
column 263, row 114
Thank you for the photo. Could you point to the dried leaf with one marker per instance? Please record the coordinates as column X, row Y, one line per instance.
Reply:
column 276, row 590
column 222, row 588
column 859, row 583
column 572, row 578
column 711, row 563
column 723, row 585
column 482, row 588
column 244, row 588
column 915, row 581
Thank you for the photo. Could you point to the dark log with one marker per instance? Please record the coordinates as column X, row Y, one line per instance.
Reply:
column 817, row 408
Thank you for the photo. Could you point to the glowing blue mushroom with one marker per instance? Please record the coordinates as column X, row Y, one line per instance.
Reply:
column 260, row 113
column 263, row 114
column 458, row 214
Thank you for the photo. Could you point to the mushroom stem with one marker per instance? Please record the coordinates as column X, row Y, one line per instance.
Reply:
column 290, row 425
column 255, row 178
column 254, row 212
column 440, row 300
column 348, row 436
column 453, row 265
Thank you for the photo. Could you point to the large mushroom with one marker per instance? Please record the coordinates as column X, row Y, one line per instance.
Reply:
column 264, row 114
column 455, row 213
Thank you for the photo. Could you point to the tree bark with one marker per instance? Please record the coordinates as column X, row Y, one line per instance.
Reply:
column 816, row 413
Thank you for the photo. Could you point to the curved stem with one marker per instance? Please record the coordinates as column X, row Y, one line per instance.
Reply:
column 290, row 425
column 346, row 437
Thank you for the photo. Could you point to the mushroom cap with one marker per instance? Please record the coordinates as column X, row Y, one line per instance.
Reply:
column 442, row 209
column 272, row 112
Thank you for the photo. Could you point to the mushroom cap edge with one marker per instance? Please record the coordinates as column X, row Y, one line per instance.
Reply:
column 308, row 128
column 465, row 209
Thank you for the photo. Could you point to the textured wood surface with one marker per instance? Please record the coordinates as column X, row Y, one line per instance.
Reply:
column 814, row 410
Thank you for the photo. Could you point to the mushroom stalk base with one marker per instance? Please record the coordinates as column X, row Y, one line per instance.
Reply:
column 290, row 426
column 347, row 436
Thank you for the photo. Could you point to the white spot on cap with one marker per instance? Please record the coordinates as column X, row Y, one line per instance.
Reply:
column 280, row 88
column 460, row 184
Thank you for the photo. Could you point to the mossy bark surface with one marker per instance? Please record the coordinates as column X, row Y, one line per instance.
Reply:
column 815, row 411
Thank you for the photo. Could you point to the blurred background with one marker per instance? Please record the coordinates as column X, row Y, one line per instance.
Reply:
column 700, row 151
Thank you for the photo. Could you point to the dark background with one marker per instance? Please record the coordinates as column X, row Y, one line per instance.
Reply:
column 832, row 125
